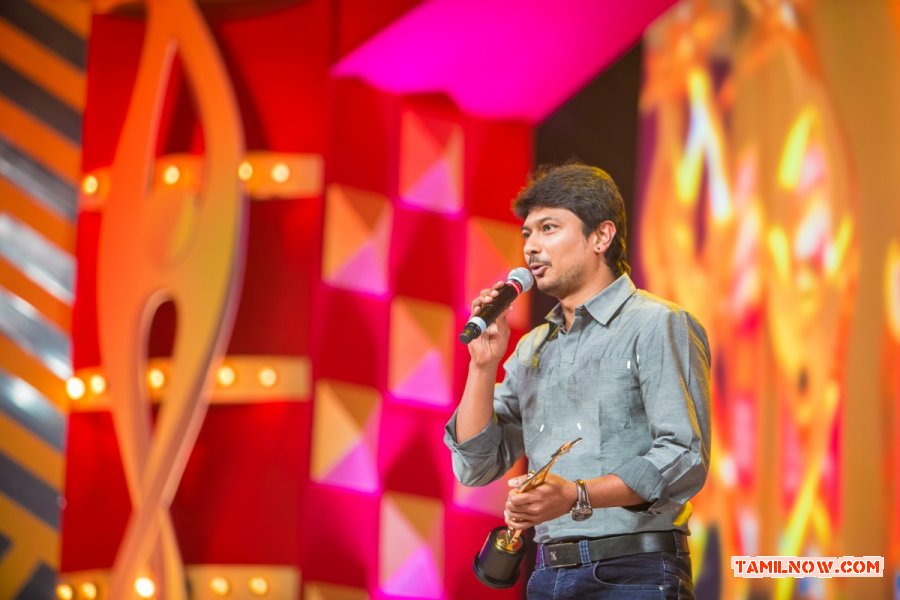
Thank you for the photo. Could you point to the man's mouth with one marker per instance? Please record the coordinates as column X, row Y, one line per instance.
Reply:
column 537, row 269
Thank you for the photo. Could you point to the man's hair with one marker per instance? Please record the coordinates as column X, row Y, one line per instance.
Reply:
column 588, row 192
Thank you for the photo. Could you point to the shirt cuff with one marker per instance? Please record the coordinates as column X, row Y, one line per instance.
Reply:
column 483, row 444
column 644, row 478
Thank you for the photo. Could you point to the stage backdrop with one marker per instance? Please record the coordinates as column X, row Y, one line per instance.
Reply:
column 285, row 212
column 283, row 209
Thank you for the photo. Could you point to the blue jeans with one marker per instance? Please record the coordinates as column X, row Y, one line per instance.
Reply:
column 657, row 575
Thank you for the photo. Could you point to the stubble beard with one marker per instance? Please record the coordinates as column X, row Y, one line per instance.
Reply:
column 564, row 285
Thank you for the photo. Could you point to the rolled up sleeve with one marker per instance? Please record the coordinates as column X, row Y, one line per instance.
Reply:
column 493, row 451
column 674, row 367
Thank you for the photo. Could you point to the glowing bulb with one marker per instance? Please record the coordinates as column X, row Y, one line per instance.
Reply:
column 259, row 586
column 226, row 376
column 245, row 171
column 268, row 377
column 280, row 172
column 156, row 378
column 90, row 185
column 75, row 388
column 64, row 591
column 97, row 383
column 171, row 175
column 144, row 587
column 220, row 586
column 89, row 590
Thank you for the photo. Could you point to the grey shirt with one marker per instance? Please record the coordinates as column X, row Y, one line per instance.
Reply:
column 631, row 377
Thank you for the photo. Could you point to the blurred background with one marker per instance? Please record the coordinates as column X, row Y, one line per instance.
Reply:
column 237, row 241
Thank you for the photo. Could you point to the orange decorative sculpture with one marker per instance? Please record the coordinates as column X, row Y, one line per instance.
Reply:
column 161, row 243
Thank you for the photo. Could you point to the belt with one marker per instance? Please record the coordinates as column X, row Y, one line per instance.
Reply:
column 571, row 554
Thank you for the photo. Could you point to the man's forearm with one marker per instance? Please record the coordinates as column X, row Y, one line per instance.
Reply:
column 476, row 408
column 609, row 490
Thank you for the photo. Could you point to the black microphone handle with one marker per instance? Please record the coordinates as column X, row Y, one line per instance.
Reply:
column 489, row 312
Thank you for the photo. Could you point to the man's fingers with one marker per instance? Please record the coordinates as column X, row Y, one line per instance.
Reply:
column 518, row 480
column 520, row 504
column 517, row 521
column 486, row 295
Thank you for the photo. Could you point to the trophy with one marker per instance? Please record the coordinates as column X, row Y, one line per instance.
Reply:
column 497, row 565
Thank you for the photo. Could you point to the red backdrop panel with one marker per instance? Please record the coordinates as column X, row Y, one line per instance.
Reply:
column 246, row 496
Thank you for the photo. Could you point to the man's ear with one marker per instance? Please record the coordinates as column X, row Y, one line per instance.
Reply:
column 603, row 236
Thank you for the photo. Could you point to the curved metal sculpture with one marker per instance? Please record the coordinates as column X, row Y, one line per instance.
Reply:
column 160, row 244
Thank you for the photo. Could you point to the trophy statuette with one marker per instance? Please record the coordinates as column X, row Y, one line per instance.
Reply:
column 497, row 564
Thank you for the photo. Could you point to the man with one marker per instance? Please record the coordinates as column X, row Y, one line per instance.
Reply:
column 619, row 367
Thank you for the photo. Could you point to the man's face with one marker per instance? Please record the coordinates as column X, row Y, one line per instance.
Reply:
column 556, row 251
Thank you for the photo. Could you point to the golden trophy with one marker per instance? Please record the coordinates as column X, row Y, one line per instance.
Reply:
column 497, row 565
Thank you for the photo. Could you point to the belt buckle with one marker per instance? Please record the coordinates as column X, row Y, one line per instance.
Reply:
column 558, row 556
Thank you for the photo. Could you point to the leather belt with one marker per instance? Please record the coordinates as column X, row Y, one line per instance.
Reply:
column 575, row 553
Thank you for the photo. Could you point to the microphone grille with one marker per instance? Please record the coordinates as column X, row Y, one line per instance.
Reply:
column 523, row 276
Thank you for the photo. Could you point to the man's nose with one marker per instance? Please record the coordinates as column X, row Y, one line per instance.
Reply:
column 531, row 247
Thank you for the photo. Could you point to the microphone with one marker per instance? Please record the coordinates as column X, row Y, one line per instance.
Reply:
column 518, row 281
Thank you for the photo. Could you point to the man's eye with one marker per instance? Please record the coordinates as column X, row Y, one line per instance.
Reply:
column 548, row 227
column 526, row 234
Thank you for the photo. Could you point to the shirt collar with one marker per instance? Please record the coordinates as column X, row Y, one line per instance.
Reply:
column 604, row 306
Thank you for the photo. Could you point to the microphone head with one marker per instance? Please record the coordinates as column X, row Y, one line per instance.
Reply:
column 523, row 277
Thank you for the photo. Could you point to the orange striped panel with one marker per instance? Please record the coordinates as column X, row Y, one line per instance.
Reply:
column 42, row 66
column 74, row 14
column 55, row 310
column 31, row 370
column 33, row 541
column 34, row 214
column 40, row 141
column 31, row 452
column 33, row 538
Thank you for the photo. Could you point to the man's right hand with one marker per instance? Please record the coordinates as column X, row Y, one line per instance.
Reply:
column 490, row 347
column 487, row 350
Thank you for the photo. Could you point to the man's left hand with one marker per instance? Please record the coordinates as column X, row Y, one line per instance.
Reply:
column 553, row 498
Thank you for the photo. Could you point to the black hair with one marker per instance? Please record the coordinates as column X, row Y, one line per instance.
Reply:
column 588, row 192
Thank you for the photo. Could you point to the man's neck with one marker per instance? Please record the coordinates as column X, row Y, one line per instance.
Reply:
column 582, row 295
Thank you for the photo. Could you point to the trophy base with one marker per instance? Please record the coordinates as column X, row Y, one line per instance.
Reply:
column 494, row 566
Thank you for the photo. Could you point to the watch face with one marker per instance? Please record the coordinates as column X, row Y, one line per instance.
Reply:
column 582, row 513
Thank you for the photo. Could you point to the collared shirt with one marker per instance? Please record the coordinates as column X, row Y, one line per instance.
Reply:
column 630, row 377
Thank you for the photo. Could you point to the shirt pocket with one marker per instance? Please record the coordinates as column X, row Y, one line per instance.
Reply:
column 609, row 389
column 533, row 388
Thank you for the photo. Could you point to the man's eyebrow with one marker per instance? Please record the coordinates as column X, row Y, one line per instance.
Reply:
column 538, row 222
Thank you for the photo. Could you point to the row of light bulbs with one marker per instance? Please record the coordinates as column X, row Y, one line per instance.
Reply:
column 145, row 587
column 280, row 173
column 76, row 387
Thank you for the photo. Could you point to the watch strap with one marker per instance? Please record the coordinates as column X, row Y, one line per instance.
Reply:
column 582, row 501
column 582, row 509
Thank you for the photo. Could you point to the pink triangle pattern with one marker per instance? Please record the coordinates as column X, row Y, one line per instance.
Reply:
column 356, row 470
column 365, row 272
column 418, row 577
column 428, row 382
column 398, row 539
column 437, row 189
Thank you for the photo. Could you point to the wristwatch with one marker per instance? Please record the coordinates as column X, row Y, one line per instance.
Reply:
column 582, row 509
